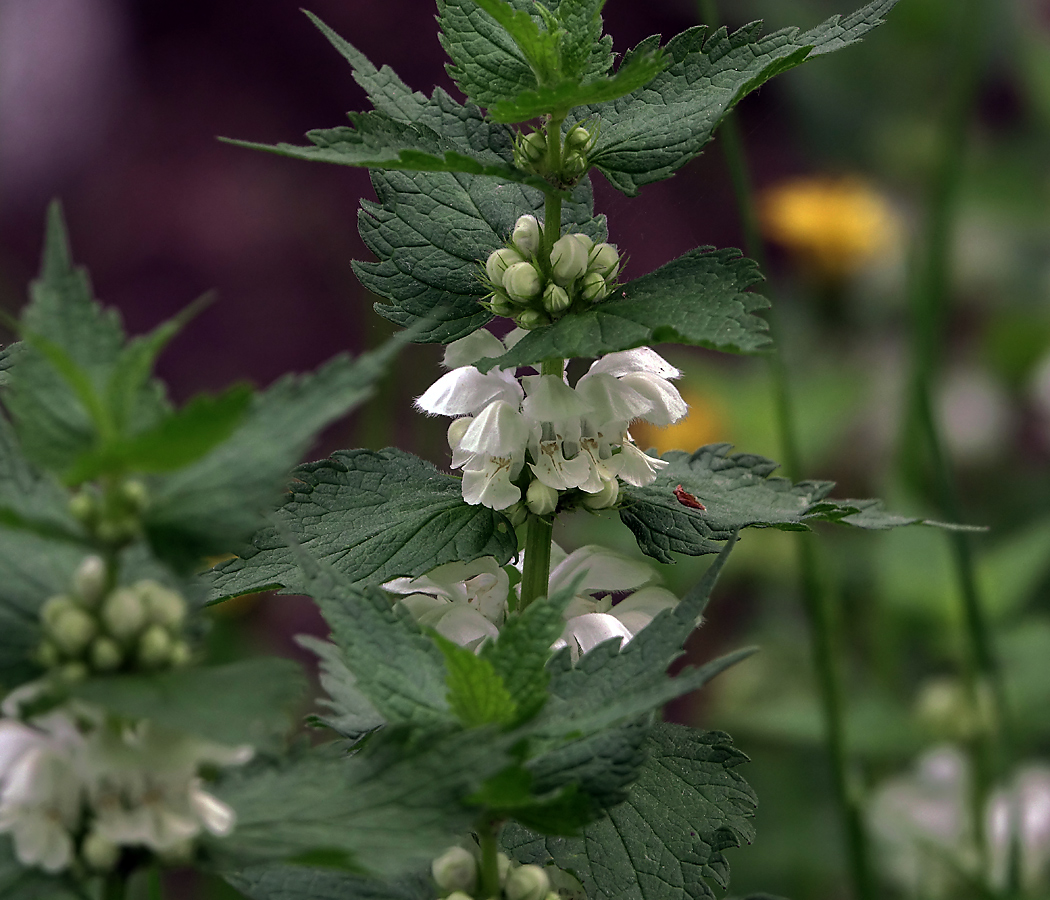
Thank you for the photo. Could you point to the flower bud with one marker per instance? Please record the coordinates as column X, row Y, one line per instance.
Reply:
column 117, row 530
column 163, row 605
column 47, row 655
column 517, row 513
column 531, row 318
column 99, row 853
column 605, row 260
column 124, row 613
column 573, row 166
column 73, row 673
column 498, row 263
column 89, row 582
column 135, row 494
column 54, row 607
column 526, row 235
column 105, row 654
column 579, row 138
column 154, row 648
column 584, row 241
column 501, row 305
column 73, row 630
column 606, row 497
column 568, row 260
column 459, row 895
column 527, row 883
column 522, row 282
column 593, row 287
column 555, row 299
column 181, row 654
column 457, row 429
column 532, row 149
column 455, row 870
column 503, row 867
column 82, row 506
column 542, row 499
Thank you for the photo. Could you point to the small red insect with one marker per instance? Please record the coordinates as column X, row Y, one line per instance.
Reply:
column 687, row 499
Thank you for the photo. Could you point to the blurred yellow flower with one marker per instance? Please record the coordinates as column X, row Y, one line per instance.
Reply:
column 833, row 225
column 705, row 424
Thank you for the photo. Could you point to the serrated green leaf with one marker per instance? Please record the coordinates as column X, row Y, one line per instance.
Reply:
column 432, row 233
column 476, row 693
column 666, row 841
column 540, row 47
column 351, row 712
column 246, row 702
column 283, row 882
column 649, row 134
column 738, row 492
column 699, row 299
column 390, row 807
column 17, row 882
column 217, row 502
column 398, row 668
column 637, row 70
column 372, row 516
column 585, row 54
column 178, row 439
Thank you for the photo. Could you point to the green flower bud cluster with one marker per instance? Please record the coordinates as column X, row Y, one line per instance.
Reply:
column 457, row 873
column 98, row 628
column 114, row 515
column 535, row 292
column 532, row 153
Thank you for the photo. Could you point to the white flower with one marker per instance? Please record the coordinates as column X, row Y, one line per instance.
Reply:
column 466, row 391
column 492, row 454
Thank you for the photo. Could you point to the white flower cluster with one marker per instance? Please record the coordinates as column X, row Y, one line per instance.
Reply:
column 457, row 872
column 97, row 627
column 533, row 291
column 76, row 785
column 573, row 437
column 925, row 831
column 467, row 602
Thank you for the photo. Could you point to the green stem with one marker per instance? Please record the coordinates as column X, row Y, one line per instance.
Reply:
column 488, row 837
column 154, row 886
column 817, row 601
column 539, row 533
column 114, row 887
column 552, row 202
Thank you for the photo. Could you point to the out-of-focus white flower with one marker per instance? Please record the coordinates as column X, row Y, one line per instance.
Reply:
column 925, row 831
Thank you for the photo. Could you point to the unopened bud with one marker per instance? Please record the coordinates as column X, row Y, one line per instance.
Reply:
column 555, row 299
column 527, row 883
column 47, row 655
column 54, row 607
column 90, row 580
column 526, row 235
column 181, row 654
column 154, row 648
column 531, row 318
column 517, row 513
column 73, row 630
column 135, row 494
column 542, row 499
column 82, row 506
column 459, row 895
column 501, row 305
column 568, row 260
column 457, row 429
column 503, row 867
column 605, row 260
column 593, row 287
column 499, row 261
column 606, row 497
column 99, row 853
column 532, row 149
column 573, row 166
column 117, row 530
column 584, row 241
column 522, row 282
column 73, row 673
column 455, row 870
column 163, row 605
column 105, row 654
column 579, row 138
column 124, row 613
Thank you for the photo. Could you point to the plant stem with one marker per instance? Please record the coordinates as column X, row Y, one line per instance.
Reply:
column 817, row 600
column 154, row 886
column 539, row 533
column 114, row 887
column 488, row 837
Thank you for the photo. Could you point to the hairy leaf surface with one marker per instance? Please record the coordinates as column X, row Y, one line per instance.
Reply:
column 283, row 882
column 371, row 516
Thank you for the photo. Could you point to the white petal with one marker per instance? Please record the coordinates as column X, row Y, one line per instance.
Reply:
column 638, row 468
column 422, row 606
column 498, row 430
column 649, row 600
column 557, row 472
column 605, row 571
column 592, row 629
column 465, row 391
column 550, row 399
column 214, row 815
column 491, row 486
column 610, row 399
column 667, row 404
column 468, row 350
column 465, row 625
column 641, row 359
